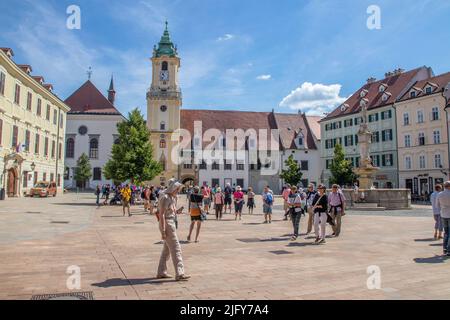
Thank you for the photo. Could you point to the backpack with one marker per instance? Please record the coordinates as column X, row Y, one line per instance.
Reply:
column 269, row 199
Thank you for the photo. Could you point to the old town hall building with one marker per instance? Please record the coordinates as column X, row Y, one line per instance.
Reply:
column 257, row 164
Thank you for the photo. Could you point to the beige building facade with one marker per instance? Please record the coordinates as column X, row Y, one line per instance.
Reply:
column 423, row 136
column 32, row 127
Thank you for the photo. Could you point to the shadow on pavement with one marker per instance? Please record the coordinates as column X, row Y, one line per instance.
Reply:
column 300, row 244
column 130, row 282
column 76, row 204
column 435, row 259
column 425, row 240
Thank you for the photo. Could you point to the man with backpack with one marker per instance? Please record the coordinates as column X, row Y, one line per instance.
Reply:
column 267, row 205
column 296, row 203
column 228, row 192
column 336, row 202
column 310, row 195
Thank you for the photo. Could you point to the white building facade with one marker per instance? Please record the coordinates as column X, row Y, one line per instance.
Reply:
column 91, row 130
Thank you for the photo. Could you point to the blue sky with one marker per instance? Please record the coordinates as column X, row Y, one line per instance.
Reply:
column 243, row 55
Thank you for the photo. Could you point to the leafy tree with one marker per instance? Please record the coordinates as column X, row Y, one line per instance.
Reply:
column 292, row 174
column 132, row 158
column 341, row 169
column 83, row 170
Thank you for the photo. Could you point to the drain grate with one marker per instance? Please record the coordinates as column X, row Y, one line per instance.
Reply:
column 280, row 252
column 65, row 296
column 60, row 222
column 249, row 240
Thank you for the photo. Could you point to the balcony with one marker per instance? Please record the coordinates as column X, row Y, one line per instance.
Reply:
column 157, row 94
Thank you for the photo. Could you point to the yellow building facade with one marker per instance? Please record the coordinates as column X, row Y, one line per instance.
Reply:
column 164, row 101
column 423, row 136
column 32, row 128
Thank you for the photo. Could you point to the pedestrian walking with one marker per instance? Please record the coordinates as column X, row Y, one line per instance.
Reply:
column 285, row 195
column 297, row 203
column 250, row 200
column 443, row 203
column 228, row 192
column 219, row 201
column 320, row 209
column 168, row 210
column 107, row 193
column 310, row 194
column 238, row 202
column 126, row 198
column 436, row 213
column 267, row 197
column 206, row 192
column 195, row 211
column 336, row 202
column 97, row 193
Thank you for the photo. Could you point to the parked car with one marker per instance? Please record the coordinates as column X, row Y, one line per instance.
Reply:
column 43, row 189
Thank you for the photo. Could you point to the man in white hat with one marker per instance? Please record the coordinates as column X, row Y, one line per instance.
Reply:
column 167, row 225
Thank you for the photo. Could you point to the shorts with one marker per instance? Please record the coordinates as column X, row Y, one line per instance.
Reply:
column 228, row 201
column 267, row 209
column 206, row 201
column 196, row 218
column 238, row 206
column 251, row 203
column 125, row 204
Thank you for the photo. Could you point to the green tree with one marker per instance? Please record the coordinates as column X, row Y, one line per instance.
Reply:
column 292, row 174
column 341, row 169
column 132, row 158
column 83, row 170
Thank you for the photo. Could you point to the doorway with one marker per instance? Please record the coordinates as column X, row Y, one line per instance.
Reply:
column 12, row 183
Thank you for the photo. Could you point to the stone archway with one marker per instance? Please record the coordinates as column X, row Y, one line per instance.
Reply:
column 12, row 183
column 188, row 181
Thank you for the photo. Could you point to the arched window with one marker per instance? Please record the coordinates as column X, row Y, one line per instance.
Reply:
column 165, row 66
column 162, row 144
column 97, row 174
column 70, row 148
column 162, row 126
column 93, row 148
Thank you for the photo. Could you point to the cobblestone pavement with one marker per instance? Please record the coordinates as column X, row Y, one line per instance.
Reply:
column 118, row 256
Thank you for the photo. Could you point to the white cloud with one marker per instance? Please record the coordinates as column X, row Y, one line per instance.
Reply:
column 264, row 77
column 314, row 99
column 225, row 37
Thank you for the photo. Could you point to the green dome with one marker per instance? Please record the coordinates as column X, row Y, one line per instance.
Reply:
column 165, row 46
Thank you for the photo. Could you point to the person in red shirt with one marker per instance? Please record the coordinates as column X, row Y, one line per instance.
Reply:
column 238, row 202
column 206, row 192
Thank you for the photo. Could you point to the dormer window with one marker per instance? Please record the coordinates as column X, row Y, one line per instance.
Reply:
column 412, row 94
column 363, row 93
column 300, row 141
column 429, row 90
column 362, row 103
column 382, row 88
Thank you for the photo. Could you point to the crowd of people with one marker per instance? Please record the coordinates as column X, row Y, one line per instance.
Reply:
column 319, row 208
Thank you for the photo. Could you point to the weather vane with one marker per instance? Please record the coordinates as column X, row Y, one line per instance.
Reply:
column 89, row 73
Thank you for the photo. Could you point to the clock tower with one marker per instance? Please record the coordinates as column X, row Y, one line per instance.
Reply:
column 164, row 101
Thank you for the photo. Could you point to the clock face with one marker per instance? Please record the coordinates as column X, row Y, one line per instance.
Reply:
column 164, row 75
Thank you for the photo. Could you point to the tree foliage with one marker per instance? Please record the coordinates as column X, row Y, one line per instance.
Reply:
column 292, row 174
column 83, row 170
column 341, row 169
column 132, row 158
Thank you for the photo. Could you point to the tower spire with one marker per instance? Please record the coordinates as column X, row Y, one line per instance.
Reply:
column 112, row 91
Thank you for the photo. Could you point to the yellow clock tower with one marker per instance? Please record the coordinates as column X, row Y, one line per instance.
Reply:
column 164, row 101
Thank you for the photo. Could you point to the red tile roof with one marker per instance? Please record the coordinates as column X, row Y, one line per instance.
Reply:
column 224, row 120
column 439, row 82
column 8, row 51
column 290, row 126
column 26, row 68
column 89, row 100
column 39, row 79
column 314, row 125
column 396, row 86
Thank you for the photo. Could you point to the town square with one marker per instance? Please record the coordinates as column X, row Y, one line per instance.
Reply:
column 144, row 157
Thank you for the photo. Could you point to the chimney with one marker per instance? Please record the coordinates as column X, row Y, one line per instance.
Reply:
column 8, row 52
column 388, row 74
column 371, row 80
column 398, row 71
column 111, row 92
